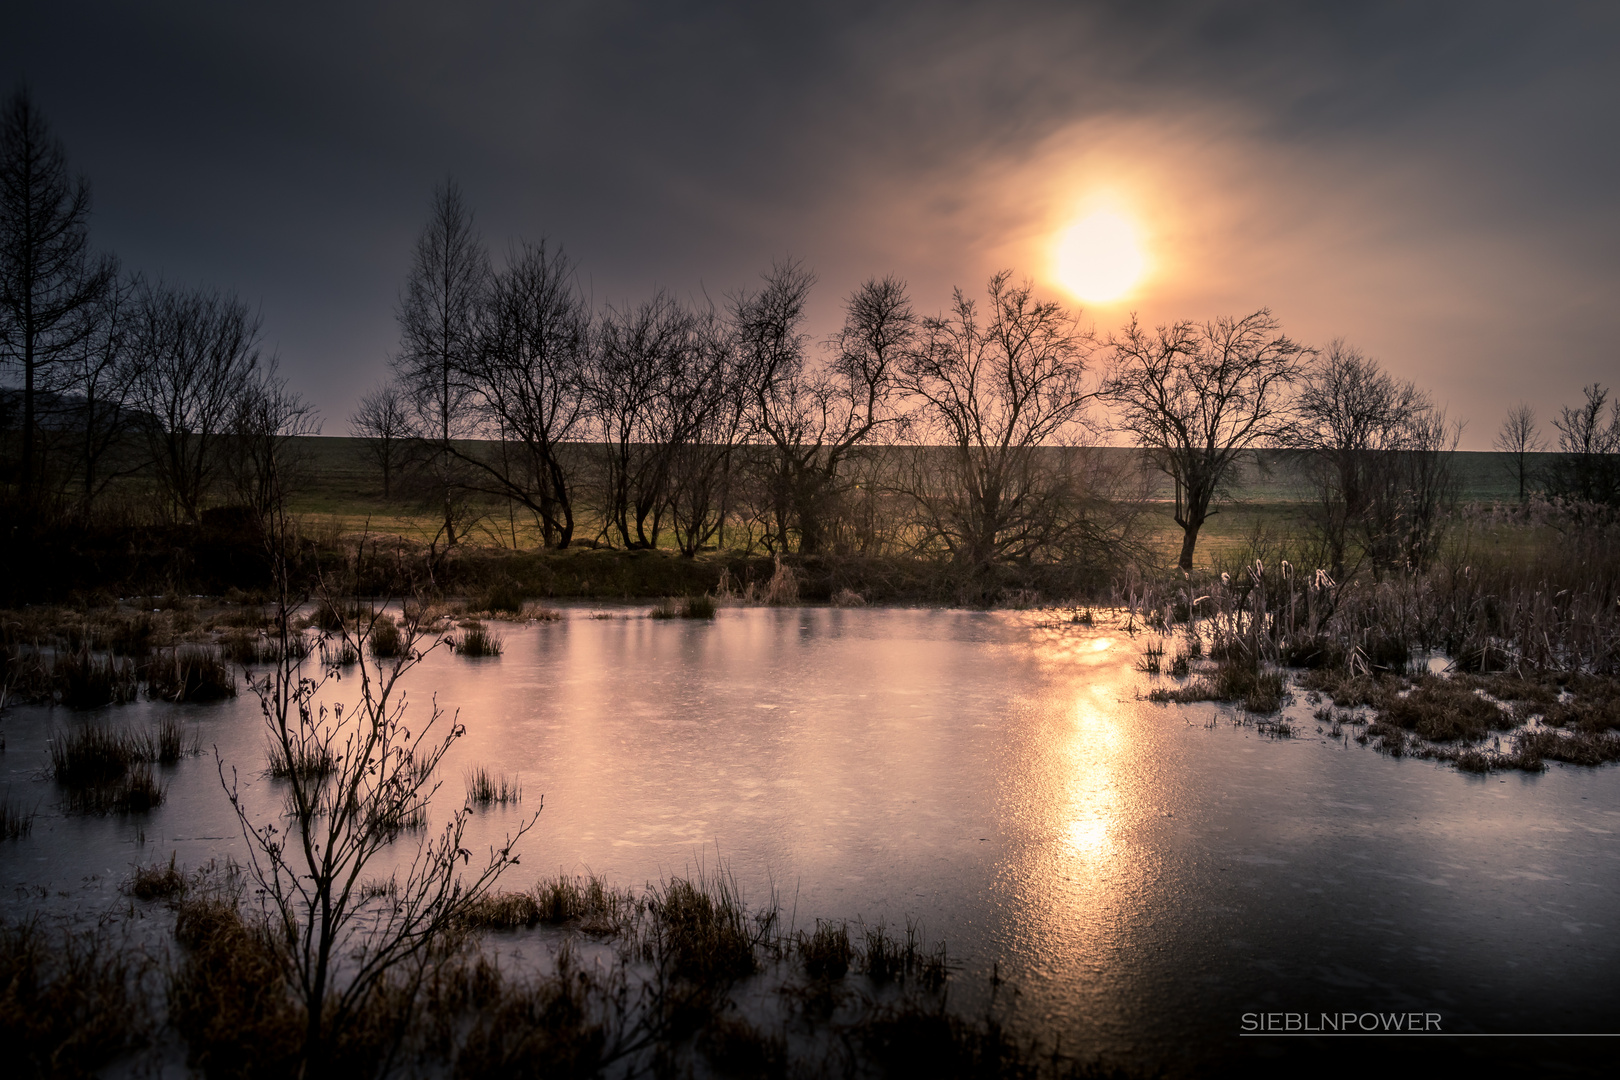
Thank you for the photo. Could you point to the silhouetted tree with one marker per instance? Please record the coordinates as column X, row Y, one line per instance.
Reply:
column 1588, row 466
column 101, row 374
column 1519, row 439
column 810, row 418
column 525, row 389
column 438, row 322
column 1352, row 417
column 702, row 467
column 1005, row 392
column 1196, row 397
column 198, row 357
column 642, row 394
column 47, row 277
column 382, row 422
column 263, row 460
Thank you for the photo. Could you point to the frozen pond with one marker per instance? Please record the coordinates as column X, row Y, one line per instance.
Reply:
column 1139, row 876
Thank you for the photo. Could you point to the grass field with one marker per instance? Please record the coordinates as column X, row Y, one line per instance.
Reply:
column 343, row 493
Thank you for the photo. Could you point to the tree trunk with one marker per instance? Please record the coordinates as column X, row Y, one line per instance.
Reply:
column 1189, row 540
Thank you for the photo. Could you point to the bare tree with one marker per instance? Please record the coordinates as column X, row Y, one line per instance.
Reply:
column 382, row 422
column 198, row 357
column 703, row 466
column 1412, row 490
column 1006, row 394
column 1352, row 416
column 357, row 776
column 1588, row 466
column 525, row 388
column 47, row 277
column 1197, row 397
column 641, row 390
column 99, row 378
column 811, row 418
column 1519, row 438
column 263, row 460
column 438, row 322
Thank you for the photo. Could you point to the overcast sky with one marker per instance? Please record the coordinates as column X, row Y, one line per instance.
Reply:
column 1436, row 183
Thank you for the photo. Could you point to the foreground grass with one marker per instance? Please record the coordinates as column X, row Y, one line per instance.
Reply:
column 681, row 978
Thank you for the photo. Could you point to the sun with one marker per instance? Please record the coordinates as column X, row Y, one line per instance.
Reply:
column 1099, row 258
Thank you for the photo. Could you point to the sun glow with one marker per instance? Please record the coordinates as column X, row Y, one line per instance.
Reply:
column 1100, row 258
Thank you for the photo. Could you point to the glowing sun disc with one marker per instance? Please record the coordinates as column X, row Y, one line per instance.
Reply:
column 1100, row 257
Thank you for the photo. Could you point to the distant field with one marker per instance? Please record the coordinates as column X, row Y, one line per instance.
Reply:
column 344, row 491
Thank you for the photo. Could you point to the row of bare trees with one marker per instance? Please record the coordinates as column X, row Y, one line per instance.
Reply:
column 121, row 377
column 669, row 421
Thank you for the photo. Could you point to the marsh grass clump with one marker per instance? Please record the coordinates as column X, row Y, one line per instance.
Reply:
column 885, row 958
column 189, row 673
column 311, row 759
column 540, row 612
column 504, row 597
column 228, row 997
column 84, row 680
column 1152, row 658
column 331, row 616
column 1234, row 681
column 92, row 756
column 1444, row 710
column 485, row 788
column 385, row 640
column 1347, row 689
column 553, row 1026
column 72, row 1003
column 16, row 820
column 697, row 607
column 667, row 608
column 478, row 640
column 699, row 931
column 826, row 953
column 503, row 911
column 590, row 902
column 735, row 1046
column 156, row 882
column 339, row 652
column 1572, row 748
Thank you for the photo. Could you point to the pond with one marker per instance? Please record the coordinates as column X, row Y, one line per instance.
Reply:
column 1139, row 876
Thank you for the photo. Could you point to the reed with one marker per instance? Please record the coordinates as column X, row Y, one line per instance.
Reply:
column 478, row 640
column 485, row 788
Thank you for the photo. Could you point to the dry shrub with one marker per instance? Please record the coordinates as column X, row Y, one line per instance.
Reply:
column 228, row 998
column 69, row 1006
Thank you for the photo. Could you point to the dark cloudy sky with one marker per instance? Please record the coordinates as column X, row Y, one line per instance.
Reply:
column 1436, row 183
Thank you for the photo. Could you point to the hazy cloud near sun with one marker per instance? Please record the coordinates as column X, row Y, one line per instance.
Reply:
column 1436, row 184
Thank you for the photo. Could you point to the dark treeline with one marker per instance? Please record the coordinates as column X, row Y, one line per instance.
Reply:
column 960, row 438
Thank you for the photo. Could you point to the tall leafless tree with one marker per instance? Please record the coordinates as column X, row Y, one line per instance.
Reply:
column 438, row 317
column 1519, row 438
column 811, row 417
column 382, row 422
column 47, row 275
column 1196, row 397
column 1005, row 392
column 198, row 358
column 1352, row 417
column 646, row 396
column 526, row 390
column 703, row 466
column 102, row 372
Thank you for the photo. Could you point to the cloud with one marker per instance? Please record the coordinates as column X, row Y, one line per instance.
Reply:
column 1434, row 182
